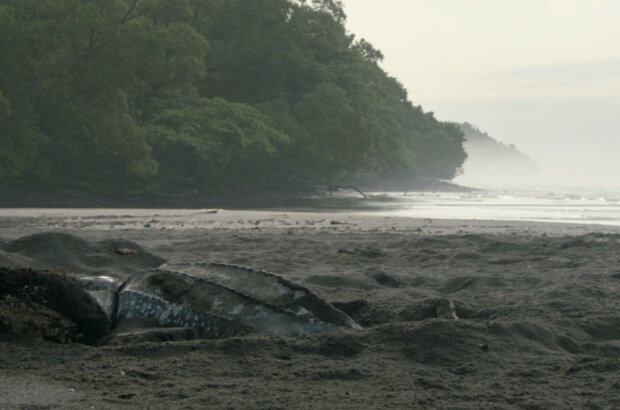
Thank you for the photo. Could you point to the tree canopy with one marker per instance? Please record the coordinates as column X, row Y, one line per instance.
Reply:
column 119, row 94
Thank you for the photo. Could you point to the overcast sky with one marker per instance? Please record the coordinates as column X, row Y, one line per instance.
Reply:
column 542, row 74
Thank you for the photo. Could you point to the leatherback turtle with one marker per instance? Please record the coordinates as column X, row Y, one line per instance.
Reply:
column 213, row 300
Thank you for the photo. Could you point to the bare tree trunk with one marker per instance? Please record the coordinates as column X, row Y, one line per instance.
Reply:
column 333, row 188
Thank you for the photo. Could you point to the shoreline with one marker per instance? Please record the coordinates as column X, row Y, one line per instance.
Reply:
column 124, row 220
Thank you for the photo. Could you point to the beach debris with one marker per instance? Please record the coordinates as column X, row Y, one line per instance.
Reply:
column 126, row 251
column 333, row 188
column 210, row 211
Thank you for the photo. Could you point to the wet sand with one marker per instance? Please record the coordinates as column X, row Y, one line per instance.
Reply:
column 456, row 314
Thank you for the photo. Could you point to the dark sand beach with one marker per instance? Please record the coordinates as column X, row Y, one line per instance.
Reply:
column 455, row 314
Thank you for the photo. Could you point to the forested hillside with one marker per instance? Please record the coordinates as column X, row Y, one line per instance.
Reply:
column 490, row 161
column 124, row 95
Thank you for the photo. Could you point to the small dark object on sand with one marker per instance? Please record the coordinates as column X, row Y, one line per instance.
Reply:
column 337, row 223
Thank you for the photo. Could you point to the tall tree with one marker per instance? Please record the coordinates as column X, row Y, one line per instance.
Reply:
column 115, row 94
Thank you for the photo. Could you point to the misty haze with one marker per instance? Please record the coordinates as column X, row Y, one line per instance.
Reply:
column 309, row 204
column 492, row 162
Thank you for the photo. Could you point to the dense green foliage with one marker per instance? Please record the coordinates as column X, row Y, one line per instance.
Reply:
column 116, row 94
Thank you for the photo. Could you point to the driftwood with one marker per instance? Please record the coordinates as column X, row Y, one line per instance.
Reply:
column 333, row 188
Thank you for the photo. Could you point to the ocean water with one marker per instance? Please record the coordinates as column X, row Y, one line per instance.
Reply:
column 545, row 204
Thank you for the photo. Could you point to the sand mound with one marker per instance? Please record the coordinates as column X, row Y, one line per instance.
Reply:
column 15, row 260
column 69, row 253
